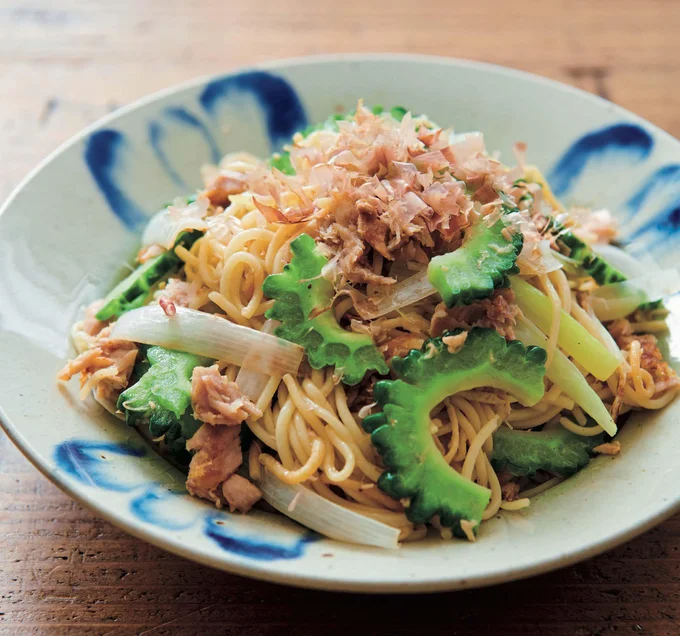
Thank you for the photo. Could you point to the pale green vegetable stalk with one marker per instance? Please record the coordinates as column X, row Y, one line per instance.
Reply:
column 573, row 337
column 564, row 374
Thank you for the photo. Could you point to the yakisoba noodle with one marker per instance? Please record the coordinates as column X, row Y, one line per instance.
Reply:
column 319, row 408
column 308, row 426
column 316, row 411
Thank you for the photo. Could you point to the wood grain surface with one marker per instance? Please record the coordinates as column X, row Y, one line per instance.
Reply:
column 64, row 64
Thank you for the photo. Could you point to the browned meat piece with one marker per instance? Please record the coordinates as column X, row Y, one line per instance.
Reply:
column 498, row 312
column 91, row 325
column 106, row 367
column 400, row 345
column 510, row 491
column 87, row 362
column 184, row 294
column 509, row 485
column 240, row 493
column 216, row 400
column 651, row 358
column 609, row 448
column 620, row 328
column 225, row 184
column 218, row 455
column 501, row 312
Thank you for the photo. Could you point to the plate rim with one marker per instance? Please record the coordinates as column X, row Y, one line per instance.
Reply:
column 323, row 581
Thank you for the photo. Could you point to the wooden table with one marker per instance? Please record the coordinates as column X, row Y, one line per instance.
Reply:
column 65, row 64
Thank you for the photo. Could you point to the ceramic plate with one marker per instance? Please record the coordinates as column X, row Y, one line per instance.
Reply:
column 71, row 226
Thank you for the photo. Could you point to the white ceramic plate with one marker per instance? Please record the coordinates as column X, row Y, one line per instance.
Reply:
column 71, row 226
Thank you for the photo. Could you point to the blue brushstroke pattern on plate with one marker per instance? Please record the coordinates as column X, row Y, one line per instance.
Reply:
column 152, row 507
column 282, row 108
column 629, row 141
column 103, row 158
column 283, row 115
column 256, row 547
column 88, row 462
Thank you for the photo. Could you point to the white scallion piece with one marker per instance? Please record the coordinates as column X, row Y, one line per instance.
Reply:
column 324, row 516
column 211, row 336
column 165, row 226
column 549, row 258
column 157, row 229
column 630, row 266
column 253, row 383
column 618, row 300
column 401, row 294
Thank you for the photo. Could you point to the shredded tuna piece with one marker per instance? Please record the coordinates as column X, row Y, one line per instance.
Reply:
column 88, row 361
column 510, row 491
column 665, row 385
column 651, row 358
column 372, row 329
column 620, row 328
column 217, row 456
column 184, row 294
column 351, row 249
column 106, row 367
column 226, row 183
column 510, row 486
column 92, row 326
column 454, row 343
column 609, row 448
column 240, row 493
column 400, row 345
column 498, row 312
column 148, row 252
column 212, row 467
column 216, row 400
